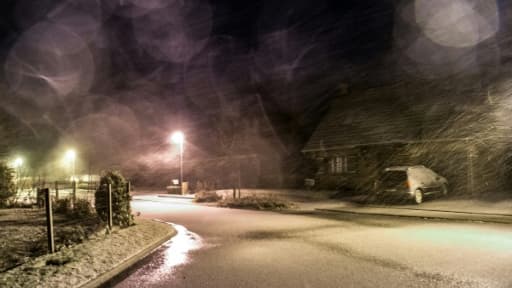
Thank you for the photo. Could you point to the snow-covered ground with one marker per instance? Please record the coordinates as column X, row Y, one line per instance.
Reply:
column 244, row 248
column 89, row 260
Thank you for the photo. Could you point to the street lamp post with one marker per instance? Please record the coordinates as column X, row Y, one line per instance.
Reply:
column 178, row 137
column 70, row 158
column 18, row 162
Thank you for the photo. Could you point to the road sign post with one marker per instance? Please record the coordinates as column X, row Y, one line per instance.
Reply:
column 49, row 220
column 74, row 193
column 110, row 206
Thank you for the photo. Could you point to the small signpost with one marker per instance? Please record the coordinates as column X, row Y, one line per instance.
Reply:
column 74, row 183
column 49, row 220
column 109, row 206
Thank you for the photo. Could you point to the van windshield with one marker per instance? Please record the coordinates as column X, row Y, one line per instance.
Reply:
column 393, row 178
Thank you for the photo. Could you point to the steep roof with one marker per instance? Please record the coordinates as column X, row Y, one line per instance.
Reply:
column 395, row 114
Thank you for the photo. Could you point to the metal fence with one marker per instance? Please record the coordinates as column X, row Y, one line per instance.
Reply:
column 72, row 190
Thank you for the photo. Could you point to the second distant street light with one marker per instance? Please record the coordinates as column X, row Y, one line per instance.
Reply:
column 70, row 159
column 17, row 163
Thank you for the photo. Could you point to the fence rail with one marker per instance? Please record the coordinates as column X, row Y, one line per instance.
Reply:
column 58, row 190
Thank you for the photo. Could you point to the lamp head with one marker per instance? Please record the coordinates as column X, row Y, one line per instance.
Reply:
column 178, row 137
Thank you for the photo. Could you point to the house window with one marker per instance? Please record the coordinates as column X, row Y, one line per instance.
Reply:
column 342, row 164
column 336, row 165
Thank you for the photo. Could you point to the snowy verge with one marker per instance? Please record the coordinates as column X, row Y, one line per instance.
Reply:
column 93, row 262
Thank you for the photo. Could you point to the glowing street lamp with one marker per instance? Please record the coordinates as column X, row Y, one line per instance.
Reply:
column 179, row 138
column 16, row 164
column 70, row 159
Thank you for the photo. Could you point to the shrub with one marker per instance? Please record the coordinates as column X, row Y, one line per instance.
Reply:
column 60, row 259
column 257, row 203
column 206, row 196
column 37, row 246
column 121, row 211
column 63, row 206
column 9, row 259
column 64, row 236
column 7, row 186
column 82, row 209
column 70, row 235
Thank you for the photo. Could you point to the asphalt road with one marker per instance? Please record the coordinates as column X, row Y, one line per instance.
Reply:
column 239, row 248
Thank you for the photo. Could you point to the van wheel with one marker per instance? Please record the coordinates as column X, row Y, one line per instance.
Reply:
column 444, row 190
column 418, row 196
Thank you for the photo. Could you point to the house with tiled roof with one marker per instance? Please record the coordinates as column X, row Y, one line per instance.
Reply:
column 463, row 134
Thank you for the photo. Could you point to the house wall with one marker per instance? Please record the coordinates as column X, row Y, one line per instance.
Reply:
column 471, row 168
column 365, row 164
column 492, row 163
column 326, row 179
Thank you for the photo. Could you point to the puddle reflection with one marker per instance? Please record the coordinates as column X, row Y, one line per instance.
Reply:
column 161, row 265
column 177, row 250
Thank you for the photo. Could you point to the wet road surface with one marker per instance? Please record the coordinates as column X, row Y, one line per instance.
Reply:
column 237, row 248
column 166, row 259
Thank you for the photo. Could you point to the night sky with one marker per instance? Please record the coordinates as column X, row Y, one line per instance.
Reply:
column 120, row 75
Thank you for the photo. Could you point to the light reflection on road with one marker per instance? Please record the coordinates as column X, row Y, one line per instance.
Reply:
column 177, row 250
column 165, row 260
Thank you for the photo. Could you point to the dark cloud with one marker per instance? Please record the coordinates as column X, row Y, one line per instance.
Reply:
column 121, row 75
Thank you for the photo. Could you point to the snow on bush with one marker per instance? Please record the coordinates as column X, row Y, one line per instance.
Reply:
column 121, row 210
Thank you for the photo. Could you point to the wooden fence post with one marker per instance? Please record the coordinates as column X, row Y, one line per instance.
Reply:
column 73, row 199
column 40, row 198
column 128, row 187
column 49, row 220
column 110, row 206
column 56, row 190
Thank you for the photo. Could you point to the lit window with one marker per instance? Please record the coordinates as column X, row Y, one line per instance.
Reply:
column 342, row 164
column 336, row 165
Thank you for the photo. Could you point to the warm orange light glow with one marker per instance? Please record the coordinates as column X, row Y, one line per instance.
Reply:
column 70, row 155
column 18, row 162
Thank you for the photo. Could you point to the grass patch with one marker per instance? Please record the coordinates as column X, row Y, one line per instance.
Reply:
column 23, row 234
column 256, row 203
column 75, row 265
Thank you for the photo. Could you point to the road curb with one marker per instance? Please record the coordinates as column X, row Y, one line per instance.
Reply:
column 471, row 217
column 175, row 196
column 105, row 277
column 485, row 214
